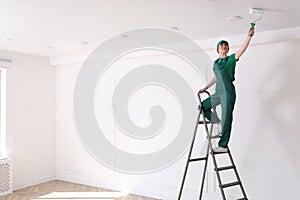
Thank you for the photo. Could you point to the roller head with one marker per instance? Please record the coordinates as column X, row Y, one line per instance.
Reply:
column 256, row 11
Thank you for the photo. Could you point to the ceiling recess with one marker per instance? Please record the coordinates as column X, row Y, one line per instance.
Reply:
column 234, row 18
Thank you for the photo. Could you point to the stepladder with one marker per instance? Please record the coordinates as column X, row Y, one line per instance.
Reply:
column 219, row 169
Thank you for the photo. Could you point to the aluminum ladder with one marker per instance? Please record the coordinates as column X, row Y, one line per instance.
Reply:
column 209, row 150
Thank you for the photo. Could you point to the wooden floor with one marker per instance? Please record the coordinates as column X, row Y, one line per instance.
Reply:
column 61, row 190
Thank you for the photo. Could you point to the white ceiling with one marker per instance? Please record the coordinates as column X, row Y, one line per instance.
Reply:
column 36, row 25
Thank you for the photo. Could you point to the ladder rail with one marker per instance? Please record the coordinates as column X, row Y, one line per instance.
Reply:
column 191, row 147
column 205, row 166
column 218, row 175
column 189, row 157
column 237, row 175
column 204, row 120
column 210, row 147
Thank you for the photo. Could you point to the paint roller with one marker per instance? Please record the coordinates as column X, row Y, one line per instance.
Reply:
column 257, row 12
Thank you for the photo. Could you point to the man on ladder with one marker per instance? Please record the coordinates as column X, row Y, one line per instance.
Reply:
column 224, row 70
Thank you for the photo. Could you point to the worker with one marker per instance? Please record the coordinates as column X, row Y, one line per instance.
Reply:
column 225, row 94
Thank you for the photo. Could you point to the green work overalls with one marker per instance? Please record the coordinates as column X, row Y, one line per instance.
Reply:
column 224, row 95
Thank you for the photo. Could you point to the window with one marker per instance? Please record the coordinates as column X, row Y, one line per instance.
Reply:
column 2, row 113
column 4, row 64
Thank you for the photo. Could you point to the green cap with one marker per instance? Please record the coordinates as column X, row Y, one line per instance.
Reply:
column 221, row 42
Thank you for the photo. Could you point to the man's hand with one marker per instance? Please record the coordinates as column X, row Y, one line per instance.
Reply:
column 251, row 32
column 203, row 89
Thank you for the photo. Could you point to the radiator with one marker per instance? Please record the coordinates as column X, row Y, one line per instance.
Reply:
column 5, row 176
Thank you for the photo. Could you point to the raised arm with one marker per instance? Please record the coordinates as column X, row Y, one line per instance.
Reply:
column 240, row 52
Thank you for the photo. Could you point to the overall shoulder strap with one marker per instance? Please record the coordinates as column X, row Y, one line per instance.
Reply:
column 219, row 59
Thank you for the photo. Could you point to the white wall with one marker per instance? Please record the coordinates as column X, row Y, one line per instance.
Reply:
column 30, row 118
column 264, row 138
column 266, row 120
column 73, row 161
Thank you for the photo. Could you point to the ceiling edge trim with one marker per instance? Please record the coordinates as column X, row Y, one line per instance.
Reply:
column 266, row 37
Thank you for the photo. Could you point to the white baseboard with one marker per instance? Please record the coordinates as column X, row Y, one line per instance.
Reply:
column 154, row 190
column 33, row 182
column 148, row 189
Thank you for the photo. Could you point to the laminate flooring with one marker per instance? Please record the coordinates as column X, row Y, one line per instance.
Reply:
column 62, row 190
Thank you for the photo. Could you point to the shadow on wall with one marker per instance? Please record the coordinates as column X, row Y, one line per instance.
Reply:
column 272, row 160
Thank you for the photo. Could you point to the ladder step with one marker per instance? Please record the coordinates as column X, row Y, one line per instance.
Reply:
column 216, row 136
column 225, row 168
column 197, row 159
column 242, row 198
column 219, row 152
column 231, row 184
column 202, row 122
